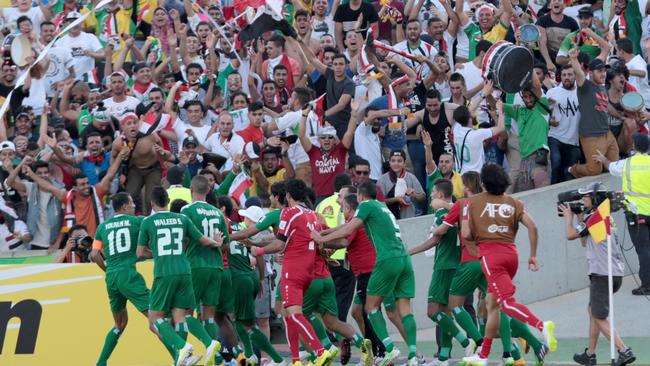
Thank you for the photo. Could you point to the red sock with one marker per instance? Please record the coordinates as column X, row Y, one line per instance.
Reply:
column 293, row 337
column 521, row 312
column 303, row 328
column 486, row 347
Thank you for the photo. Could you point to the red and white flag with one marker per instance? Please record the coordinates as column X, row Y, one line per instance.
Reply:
column 152, row 122
column 239, row 188
column 393, row 102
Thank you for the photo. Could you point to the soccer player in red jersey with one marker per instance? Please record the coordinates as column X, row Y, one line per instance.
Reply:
column 300, row 251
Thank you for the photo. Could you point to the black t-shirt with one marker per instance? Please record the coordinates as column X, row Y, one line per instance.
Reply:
column 555, row 32
column 592, row 101
column 336, row 89
column 440, row 133
column 347, row 16
column 417, row 99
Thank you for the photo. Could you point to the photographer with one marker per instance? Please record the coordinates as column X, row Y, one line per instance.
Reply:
column 598, row 308
column 77, row 247
column 635, row 172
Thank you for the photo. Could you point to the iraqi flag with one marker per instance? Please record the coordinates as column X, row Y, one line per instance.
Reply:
column 239, row 188
column 319, row 109
column 267, row 19
column 393, row 101
column 152, row 122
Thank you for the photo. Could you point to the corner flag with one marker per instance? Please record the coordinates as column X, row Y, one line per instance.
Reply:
column 599, row 223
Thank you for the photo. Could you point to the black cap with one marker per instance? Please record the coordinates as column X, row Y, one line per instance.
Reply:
column 190, row 140
column 596, row 64
column 398, row 152
column 585, row 12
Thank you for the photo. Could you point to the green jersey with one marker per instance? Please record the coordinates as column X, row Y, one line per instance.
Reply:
column 165, row 233
column 448, row 250
column 270, row 219
column 209, row 220
column 382, row 229
column 118, row 237
column 239, row 255
column 532, row 124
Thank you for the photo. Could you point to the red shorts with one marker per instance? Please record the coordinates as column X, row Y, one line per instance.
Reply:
column 293, row 284
column 500, row 262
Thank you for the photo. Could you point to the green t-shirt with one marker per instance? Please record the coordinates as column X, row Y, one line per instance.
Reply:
column 239, row 255
column 587, row 45
column 431, row 180
column 165, row 233
column 532, row 125
column 448, row 250
column 84, row 119
column 382, row 229
column 270, row 219
column 119, row 236
column 475, row 35
column 208, row 219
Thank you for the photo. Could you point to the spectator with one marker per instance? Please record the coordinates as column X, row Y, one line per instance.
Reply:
column 253, row 132
column 443, row 170
column 638, row 68
column 85, row 47
column 272, row 171
column 120, row 103
column 401, row 188
column 554, row 27
column 347, row 16
column 77, row 246
column 176, row 190
column 587, row 38
column 277, row 56
column 361, row 172
column 224, row 141
column 489, row 28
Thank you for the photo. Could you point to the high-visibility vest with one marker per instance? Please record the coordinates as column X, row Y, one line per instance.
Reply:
column 331, row 211
column 636, row 182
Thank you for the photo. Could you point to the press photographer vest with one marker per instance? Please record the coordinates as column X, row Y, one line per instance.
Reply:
column 636, row 182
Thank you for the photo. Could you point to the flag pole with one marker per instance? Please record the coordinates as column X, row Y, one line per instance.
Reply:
column 610, row 291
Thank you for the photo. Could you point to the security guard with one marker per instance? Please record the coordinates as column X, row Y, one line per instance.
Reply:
column 635, row 172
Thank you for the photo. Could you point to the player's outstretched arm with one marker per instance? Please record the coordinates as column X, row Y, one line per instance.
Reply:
column 533, row 235
column 341, row 232
column 275, row 246
column 244, row 234
column 430, row 243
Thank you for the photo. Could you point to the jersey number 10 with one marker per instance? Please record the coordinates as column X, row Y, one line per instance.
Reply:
column 119, row 241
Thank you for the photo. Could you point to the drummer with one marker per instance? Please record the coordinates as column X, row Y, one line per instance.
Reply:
column 587, row 39
column 637, row 67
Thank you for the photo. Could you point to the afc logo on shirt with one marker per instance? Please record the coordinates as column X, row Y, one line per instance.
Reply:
column 504, row 210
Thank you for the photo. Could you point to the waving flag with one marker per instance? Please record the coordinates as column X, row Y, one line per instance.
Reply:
column 393, row 102
column 267, row 19
column 154, row 122
column 599, row 223
column 239, row 188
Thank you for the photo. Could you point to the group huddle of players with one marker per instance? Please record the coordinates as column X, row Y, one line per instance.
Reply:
column 205, row 264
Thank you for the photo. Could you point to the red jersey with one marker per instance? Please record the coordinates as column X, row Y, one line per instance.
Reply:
column 452, row 219
column 325, row 167
column 361, row 252
column 320, row 267
column 296, row 224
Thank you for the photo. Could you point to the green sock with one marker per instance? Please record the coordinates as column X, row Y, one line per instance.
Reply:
column 504, row 332
column 167, row 334
column 181, row 330
column 197, row 330
column 448, row 326
column 516, row 354
column 242, row 333
column 211, row 327
column 465, row 321
column 378, row 323
column 321, row 333
column 445, row 346
column 262, row 342
column 357, row 339
column 109, row 345
column 481, row 325
column 521, row 330
column 411, row 334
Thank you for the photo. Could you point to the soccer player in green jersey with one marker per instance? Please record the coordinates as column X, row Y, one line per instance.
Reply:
column 206, row 262
column 163, row 237
column 446, row 261
column 115, row 240
column 393, row 272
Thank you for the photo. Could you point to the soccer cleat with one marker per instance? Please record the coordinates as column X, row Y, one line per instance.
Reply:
column 193, row 360
column 475, row 360
column 271, row 363
column 520, row 362
column 541, row 354
column 437, row 362
column 471, row 348
column 212, row 349
column 421, row 360
column 367, row 358
column 252, row 360
column 184, row 354
column 324, row 359
column 334, row 351
column 585, row 359
column 389, row 357
column 346, row 351
column 549, row 336
column 378, row 360
column 413, row 361
column 508, row 361
column 240, row 360
column 297, row 363
column 625, row 357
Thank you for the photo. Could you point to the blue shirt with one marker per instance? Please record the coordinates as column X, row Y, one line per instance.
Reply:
column 395, row 136
column 94, row 169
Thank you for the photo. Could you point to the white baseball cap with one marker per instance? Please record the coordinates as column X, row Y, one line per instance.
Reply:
column 253, row 213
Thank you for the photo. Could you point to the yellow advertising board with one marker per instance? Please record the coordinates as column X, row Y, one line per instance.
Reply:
column 58, row 314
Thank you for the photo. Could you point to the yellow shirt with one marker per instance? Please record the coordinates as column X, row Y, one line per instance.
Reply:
column 179, row 192
column 330, row 209
column 278, row 177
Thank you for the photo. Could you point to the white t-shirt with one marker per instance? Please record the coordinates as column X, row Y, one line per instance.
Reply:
column 566, row 113
column 37, row 95
column 640, row 83
column 60, row 62
column 118, row 110
column 10, row 15
column 180, row 126
column 368, row 146
column 296, row 152
column 471, row 152
column 9, row 239
column 84, row 41
column 227, row 149
column 41, row 238
column 473, row 77
column 321, row 28
column 423, row 49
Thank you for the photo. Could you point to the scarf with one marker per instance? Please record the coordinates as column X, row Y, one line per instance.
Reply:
column 393, row 102
column 283, row 59
column 69, row 217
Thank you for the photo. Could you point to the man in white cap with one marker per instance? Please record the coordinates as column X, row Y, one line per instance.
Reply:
column 85, row 47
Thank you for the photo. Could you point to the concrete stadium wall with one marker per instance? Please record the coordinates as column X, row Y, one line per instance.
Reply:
column 563, row 263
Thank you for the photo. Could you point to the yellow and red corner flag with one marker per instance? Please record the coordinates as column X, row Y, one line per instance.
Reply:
column 599, row 223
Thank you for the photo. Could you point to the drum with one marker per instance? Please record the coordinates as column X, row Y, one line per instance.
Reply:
column 632, row 102
column 510, row 67
column 529, row 33
column 18, row 47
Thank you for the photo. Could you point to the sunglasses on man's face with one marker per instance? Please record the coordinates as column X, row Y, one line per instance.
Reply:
column 362, row 172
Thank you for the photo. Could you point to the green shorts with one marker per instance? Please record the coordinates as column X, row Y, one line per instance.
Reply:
column 468, row 277
column 226, row 298
column 439, row 286
column 244, row 298
column 125, row 285
column 207, row 285
column 393, row 276
column 388, row 301
column 320, row 297
column 172, row 292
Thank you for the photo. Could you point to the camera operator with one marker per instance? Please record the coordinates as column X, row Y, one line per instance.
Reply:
column 635, row 172
column 598, row 309
column 77, row 247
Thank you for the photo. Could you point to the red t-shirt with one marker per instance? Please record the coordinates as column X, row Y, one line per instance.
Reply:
column 324, row 168
column 452, row 219
column 361, row 252
column 252, row 133
column 296, row 224
column 320, row 268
